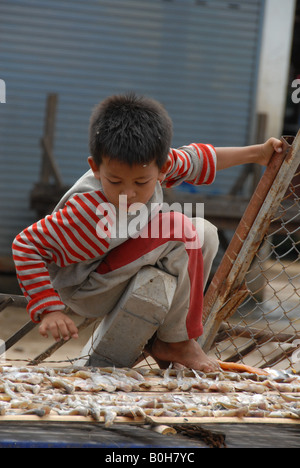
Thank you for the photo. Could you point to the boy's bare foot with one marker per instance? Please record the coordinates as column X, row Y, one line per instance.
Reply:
column 187, row 353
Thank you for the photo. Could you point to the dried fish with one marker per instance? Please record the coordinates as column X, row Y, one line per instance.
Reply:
column 78, row 410
column 134, row 374
column 224, row 387
column 61, row 384
column 41, row 412
column 95, row 411
column 107, row 393
column 109, row 416
column 184, row 383
column 8, row 390
column 200, row 383
column 83, row 374
column 168, row 381
column 245, row 386
column 101, row 382
column 290, row 398
column 28, row 378
column 232, row 413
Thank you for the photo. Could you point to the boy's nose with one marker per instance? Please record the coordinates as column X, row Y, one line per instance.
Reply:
column 129, row 192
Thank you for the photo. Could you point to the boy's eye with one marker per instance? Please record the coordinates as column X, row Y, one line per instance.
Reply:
column 112, row 182
column 118, row 182
column 141, row 183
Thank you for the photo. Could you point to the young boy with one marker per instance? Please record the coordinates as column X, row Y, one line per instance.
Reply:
column 83, row 255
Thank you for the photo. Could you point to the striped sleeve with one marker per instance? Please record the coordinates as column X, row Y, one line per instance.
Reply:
column 70, row 235
column 195, row 164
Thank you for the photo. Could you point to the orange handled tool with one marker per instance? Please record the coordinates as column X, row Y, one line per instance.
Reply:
column 235, row 367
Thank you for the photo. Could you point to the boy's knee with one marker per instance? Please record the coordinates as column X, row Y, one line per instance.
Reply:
column 180, row 226
column 208, row 233
column 211, row 238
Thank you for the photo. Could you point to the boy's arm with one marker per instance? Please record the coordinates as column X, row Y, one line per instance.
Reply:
column 44, row 304
column 194, row 164
column 31, row 254
column 259, row 154
column 70, row 235
column 197, row 163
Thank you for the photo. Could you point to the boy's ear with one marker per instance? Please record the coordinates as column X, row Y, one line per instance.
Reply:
column 95, row 168
column 164, row 170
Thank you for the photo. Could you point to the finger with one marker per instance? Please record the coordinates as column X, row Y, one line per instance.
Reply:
column 55, row 331
column 43, row 330
column 63, row 329
column 73, row 330
column 277, row 145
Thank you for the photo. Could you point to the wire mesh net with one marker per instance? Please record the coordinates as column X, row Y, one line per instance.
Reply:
column 265, row 330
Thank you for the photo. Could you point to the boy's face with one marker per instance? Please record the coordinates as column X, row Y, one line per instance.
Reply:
column 137, row 182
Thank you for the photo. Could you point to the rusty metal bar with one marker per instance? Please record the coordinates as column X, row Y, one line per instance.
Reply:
column 285, row 354
column 248, row 236
column 254, row 346
column 5, row 303
column 17, row 336
column 226, row 332
column 12, row 300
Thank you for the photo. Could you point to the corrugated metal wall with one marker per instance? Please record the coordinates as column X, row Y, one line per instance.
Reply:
column 198, row 57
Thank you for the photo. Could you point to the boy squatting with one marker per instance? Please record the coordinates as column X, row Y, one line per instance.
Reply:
column 64, row 259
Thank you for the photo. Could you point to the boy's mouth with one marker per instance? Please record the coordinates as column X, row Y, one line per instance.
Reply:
column 124, row 204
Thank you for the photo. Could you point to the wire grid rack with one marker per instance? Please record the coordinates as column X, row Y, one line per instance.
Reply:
column 264, row 331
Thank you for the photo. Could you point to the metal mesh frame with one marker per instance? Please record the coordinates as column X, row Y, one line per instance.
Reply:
column 254, row 316
column 265, row 328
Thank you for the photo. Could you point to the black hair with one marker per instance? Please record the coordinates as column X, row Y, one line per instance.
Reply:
column 131, row 129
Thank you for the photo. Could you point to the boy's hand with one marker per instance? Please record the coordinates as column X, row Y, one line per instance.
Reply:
column 268, row 149
column 59, row 325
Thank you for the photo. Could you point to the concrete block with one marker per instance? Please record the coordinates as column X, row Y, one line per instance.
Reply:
column 123, row 333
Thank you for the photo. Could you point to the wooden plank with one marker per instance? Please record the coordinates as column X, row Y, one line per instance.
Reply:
column 49, row 131
column 141, row 421
column 53, row 167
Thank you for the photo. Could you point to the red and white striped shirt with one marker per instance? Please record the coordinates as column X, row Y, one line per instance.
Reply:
column 72, row 234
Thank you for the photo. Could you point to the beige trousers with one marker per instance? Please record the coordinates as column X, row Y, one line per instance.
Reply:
column 102, row 290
